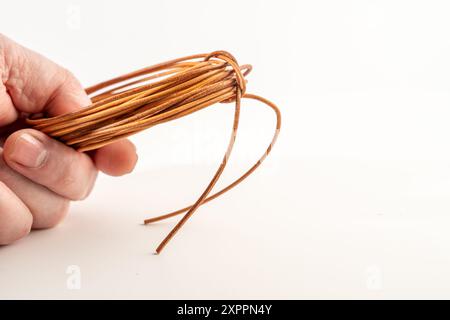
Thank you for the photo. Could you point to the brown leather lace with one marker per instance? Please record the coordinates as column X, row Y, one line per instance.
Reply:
column 144, row 98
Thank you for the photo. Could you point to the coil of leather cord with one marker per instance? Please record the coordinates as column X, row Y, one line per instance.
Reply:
column 164, row 92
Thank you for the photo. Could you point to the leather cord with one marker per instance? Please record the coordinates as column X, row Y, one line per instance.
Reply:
column 139, row 100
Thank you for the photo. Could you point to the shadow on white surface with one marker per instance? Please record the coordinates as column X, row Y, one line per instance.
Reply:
column 266, row 239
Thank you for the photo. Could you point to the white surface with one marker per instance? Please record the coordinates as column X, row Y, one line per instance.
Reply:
column 354, row 202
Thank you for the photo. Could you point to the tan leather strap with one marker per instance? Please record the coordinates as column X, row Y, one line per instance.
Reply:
column 164, row 92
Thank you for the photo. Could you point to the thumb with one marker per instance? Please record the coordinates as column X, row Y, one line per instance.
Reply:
column 35, row 84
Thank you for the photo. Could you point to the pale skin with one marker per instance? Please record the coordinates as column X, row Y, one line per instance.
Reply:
column 40, row 176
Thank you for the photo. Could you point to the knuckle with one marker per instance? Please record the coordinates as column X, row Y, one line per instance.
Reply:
column 68, row 180
column 88, row 186
column 12, row 232
column 69, row 79
column 52, row 216
column 77, row 186
column 15, row 233
column 70, row 183
column 6, row 116
column 73, row 174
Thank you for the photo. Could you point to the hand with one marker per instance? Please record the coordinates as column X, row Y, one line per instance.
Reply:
column 39, row 175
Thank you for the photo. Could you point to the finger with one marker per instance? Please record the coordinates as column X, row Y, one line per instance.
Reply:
column 8, row 113
column 36, row 84
column 15, row 218
column 48, row 162
column 46, row 207
column 116, row 159
column 41, row 85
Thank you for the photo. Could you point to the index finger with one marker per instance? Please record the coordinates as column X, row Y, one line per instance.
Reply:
column 37, row 85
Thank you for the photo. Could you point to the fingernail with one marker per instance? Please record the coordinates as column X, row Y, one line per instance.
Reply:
column 28, row 151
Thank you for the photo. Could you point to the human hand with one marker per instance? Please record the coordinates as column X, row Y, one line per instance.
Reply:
column 39, row 176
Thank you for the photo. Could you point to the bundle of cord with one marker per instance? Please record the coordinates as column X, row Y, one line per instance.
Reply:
column 164, row 92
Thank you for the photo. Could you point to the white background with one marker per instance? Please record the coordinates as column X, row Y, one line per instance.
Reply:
column 354, row 201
